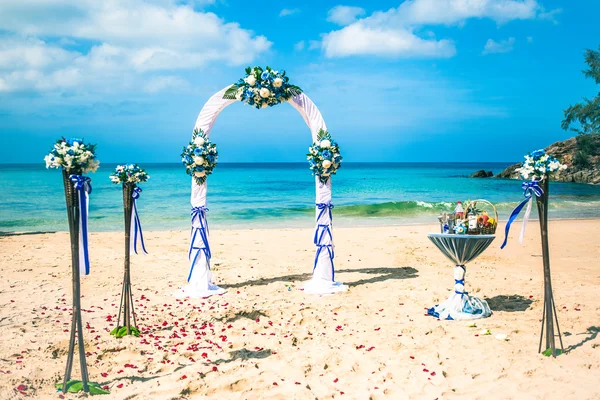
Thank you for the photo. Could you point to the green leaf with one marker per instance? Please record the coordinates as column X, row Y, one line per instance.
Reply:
column 74, row 386
column 548, row 352
column 322, row 134
column 121, row 331
column 248, row 70
column 230, row 93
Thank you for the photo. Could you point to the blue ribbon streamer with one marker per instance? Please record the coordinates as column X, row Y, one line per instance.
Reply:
column 200, row 213
column 83, row 186
column 137, row 225
column 529, row 189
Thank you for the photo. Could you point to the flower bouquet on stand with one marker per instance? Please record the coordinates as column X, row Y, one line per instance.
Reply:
column 76, row 158
column 129, row 175
column 539, row 167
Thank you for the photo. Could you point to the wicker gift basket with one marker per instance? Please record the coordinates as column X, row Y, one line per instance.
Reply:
column 479, row 219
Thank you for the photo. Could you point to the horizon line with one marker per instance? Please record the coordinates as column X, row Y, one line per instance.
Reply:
column 289, row 162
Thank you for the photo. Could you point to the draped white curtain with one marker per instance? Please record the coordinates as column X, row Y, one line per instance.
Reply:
column 200, row 283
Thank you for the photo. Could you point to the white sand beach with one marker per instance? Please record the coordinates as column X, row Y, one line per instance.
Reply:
column 263, row 341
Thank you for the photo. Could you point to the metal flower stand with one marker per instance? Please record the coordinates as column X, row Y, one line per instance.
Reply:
column 76, row 323
column 461, row 249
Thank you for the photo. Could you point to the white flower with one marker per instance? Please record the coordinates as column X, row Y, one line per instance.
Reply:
column 93, row 166
column 325, row 144
column 49, row 160
column 264, row 93
column 501, row 336
column 264, row 105
column 238, row 94
column 326, row 164
column 199, row 174
column 199, row 141
column 199, row 160
column 277, row 82
column 250, row 80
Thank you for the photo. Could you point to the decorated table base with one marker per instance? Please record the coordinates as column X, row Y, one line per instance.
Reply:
column 461, row 249
column 319, row 286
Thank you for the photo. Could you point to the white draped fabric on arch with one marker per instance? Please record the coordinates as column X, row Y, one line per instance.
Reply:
column 199, row 279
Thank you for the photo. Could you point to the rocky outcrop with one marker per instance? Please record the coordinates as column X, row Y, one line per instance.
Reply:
column 565, row 151
column 482, row 174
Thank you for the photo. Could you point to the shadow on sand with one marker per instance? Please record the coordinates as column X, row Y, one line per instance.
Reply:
column 592, row 333
column 511, row 303
column 383, row 274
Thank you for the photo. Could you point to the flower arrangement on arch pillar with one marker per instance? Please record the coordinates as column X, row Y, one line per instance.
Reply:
column 539, row 167
column 200, row 157
column 262, row 88
column 324, row 156
column 76, row 158
column 129, row 175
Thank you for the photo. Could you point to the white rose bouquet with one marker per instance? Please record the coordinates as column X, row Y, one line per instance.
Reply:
column 73, row 155
column 324, row 157
column 199, row 157
column 262, row 88
column 129, row 173
column 538, row 165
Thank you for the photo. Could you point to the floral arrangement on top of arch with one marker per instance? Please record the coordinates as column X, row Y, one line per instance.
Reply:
column 199, row 157
column 262, row 88
column 324, row 156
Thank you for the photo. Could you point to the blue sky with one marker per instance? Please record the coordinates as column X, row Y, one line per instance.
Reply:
column 419, row 80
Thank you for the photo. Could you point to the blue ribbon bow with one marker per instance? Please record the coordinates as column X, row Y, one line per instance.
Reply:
column 529, row 189
column 200, row 214
column 83, row 186
column 325, row 207
column 137, row 225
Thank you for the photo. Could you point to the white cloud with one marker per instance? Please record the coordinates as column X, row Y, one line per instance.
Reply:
column 503, row 46
column 551, row 15
column 288, row 11
column 358, row 39
column 132, row 40
column 450, row 12
column 162, row 83
column 344, row 15
column 394, row 33
column 314, row 44
column 299, row 46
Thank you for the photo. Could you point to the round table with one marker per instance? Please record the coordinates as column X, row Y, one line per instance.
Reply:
column 461, row 249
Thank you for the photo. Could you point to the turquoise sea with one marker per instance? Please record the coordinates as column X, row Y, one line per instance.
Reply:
column 277, row 195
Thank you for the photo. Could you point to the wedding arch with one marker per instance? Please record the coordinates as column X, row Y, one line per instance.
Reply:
column 323, row 277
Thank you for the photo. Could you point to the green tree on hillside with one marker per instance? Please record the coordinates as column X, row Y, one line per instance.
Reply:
column 584, row 118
